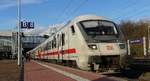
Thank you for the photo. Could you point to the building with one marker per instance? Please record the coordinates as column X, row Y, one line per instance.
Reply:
column 8, row 43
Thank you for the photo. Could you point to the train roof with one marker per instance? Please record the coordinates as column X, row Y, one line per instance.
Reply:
column 88, row 17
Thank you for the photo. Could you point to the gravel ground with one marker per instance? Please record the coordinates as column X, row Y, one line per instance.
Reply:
column 9, row 70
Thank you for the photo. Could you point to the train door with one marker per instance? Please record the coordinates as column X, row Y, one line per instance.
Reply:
column 61, row 46
column 58, row 47
column 46, row 52
column 73, row 43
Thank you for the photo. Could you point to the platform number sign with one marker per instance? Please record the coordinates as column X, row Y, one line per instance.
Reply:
column 27, row 25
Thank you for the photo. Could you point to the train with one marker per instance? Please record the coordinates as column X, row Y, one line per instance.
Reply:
column 89, row 42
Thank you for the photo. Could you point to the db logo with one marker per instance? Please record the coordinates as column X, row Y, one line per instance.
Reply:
column 109, row 47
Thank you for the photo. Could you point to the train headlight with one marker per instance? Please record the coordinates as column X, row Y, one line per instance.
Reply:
column 122, row 46
column 94, row 47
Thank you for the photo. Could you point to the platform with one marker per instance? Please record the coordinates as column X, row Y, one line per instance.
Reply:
column 41, row 71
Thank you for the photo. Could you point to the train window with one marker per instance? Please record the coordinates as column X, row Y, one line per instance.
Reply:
column 58, row 40
column 48, row 45
column 44, row 48
column 97, row 27
column 63, row 39
column 72, row 30
column 52, row 44
column 55, row 42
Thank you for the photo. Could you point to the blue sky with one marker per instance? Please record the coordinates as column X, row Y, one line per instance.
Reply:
column 47, row 12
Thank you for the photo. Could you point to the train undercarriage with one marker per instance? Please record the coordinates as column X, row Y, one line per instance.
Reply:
column 95, row 63
column 104, row 63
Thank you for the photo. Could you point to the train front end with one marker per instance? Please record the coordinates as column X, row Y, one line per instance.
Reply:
column 105, row 44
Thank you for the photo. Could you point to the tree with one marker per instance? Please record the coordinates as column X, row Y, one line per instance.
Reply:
column 135, row 30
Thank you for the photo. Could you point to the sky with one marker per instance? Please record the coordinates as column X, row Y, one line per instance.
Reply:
column 48, row 12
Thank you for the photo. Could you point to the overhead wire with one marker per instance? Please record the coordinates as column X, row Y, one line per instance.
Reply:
column 75, row 10
column 68, row 9
column 64, row 11
column 125, row 8
column 136, row 11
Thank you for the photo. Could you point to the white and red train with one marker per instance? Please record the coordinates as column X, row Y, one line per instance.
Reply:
column 87, row 41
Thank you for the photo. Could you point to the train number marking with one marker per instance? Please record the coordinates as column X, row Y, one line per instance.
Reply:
column 109, row 47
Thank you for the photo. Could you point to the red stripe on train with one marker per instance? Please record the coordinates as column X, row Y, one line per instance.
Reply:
column 67, row 51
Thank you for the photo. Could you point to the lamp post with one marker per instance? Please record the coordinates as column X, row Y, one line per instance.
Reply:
column 19, row 26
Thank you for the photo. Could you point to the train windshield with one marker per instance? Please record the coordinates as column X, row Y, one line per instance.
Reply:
column 99, row 27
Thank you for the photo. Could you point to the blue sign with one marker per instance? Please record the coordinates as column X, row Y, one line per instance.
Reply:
column 27, row 25
column 137, row 41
